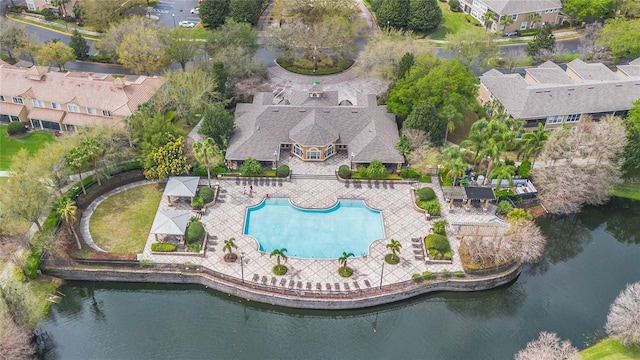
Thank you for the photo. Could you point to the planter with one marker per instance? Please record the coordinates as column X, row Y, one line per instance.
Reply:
column 230, row 258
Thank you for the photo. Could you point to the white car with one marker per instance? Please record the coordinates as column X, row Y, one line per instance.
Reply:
column 186, row 24
column 195, row 10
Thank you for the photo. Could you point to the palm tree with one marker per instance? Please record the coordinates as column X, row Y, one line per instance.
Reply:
column 456, row 161
column 93, row 149
column 506, row 20
column 534, row 18
column 502, row 172
column 279, row 254
column 395, row 247
column 66, row 209
column 488, row 18
column 453, row 117
column 533, row 142
column 76, row 159
column 478, row 137
column 343, row 260
column 206, row 152
column 229, row 245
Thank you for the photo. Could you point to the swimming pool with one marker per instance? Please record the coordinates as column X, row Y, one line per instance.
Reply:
column 349, row 225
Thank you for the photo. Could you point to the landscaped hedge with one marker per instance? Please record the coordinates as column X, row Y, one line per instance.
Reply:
column 31, row 265
column 344, row 172
column 426, row 194
column 197, row 203
column 283, row 170
column 16, row 128
column 409, row 173
column 504, row 207
column 437, row 242
column 206, row 194
column 432, row 207
column 163, row 247
column 195, row 232
column 525, row 169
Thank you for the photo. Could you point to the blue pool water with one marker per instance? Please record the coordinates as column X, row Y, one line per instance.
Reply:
column 349, row 226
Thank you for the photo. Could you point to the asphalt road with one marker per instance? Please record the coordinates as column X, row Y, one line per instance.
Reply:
column 171, row 12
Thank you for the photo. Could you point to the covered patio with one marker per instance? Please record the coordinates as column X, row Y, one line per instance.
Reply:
column 181, row 187
column 171, row 224
column 468, row 194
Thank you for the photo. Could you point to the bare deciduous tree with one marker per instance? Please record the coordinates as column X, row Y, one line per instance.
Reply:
column 623, row 320
column 548, row 346
column 581, row 164
column 15, row 342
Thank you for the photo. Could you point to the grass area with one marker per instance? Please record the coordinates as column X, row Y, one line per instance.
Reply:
column 199, row 32
column 630, row 188
column 121, row 224
column 9, row 146
column 452, row 22
column 51, row 27
column 609, row 349
column 462, row 132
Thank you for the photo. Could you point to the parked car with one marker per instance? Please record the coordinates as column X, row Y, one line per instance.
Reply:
column 195, row 10
column 512, row 33
column 186, row 24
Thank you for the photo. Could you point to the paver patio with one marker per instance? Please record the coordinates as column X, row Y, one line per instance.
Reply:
column 401, row 221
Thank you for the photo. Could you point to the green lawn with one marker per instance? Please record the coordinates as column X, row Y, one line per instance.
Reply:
column 631, row 186
column 452, row 22
column 9, row 146
column 121, row 224
column 609, row 349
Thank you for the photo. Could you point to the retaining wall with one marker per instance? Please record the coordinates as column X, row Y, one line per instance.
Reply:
column 288, row 298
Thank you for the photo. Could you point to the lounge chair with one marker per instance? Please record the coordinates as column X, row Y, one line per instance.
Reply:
column 346, row 286
column 328, row 286
column 308, row 285
column 318, row 286
column 273, row 281
column 283, row 282
column 264, row 280
column 256, row 277
column 299, row 285
column 336, row 286
column 291, row 283
column 367, row 283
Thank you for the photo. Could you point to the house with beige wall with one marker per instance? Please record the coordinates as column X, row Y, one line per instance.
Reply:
column 65, row 101
column 38, row 5
column 554, row 95
column 518, row 10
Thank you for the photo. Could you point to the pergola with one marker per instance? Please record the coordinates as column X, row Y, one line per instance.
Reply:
column 468, row 193
column 170, row 223
column 181, row 186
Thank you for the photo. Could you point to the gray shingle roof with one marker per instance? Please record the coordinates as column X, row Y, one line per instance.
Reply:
column 368, row 129
column 170, row 222
column 596, row 71
column 182, row 186
column 521, row 6
column 593, row 95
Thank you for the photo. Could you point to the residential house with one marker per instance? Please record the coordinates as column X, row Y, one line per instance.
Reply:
column 553, row 95
column 64, row 101
column 518, row 10
column 38, row 5
column 314, row 125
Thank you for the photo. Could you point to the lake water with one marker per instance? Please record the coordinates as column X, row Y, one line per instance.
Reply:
column 590, row 258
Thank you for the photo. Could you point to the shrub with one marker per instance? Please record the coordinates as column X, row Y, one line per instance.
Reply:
column 31, row 266
column 283, row 170
column 426, row 193
column 440, row 227
column 16, row 128
column 206, row 194
column 472, row 20
column 303, row 63
column 427, row 275
column 162, row 247
column 146, row 262
column 197, row 203
column 250, row 167
column 447, row 255
column 459, row 274
column 48, row 14
column 280, row 269
column 433, row 207
column 325, row 61
column 454, row 4
column 344, row 172
column 376, row 170
column 409, row 173
column 199, row 171
column 344, row 63
column 100, row 58
column 509, row 162
column 194, row 247
column 345, row 272
column 528, row 32
column 195, row 232
column 445, row 273
column 438, row 242
column 416, row 277
column 18, row 274
column 434, row 254
column 51, row 223
column 285, row 62
column 502, row 193
column 504, row 207
column 425, row 179
column 525, row 169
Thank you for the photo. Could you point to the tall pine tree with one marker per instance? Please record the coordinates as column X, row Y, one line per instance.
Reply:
column 424, row 15
column 79, row 45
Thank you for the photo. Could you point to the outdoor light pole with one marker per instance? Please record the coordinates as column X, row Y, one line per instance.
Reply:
column 382, row 273
column 242, row 266
column 351, row 164
column 275, row 159
column 174, row 20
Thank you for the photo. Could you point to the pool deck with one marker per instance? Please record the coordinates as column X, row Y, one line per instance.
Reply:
column 225, row 219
